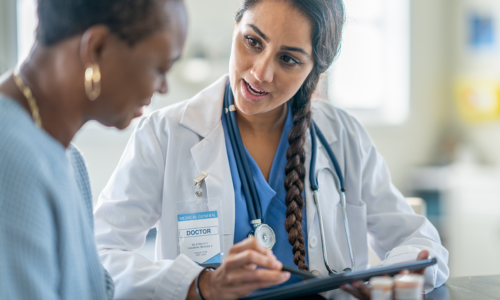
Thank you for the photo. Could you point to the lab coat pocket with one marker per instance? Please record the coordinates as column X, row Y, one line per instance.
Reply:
column 357, row 220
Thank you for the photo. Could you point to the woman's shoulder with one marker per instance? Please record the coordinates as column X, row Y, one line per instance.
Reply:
column 338, row 125
column 26, row 150
column 326, row 114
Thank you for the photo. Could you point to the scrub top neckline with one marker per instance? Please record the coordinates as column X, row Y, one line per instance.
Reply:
column 264, row 188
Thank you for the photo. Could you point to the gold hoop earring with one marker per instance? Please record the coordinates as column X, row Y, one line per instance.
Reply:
column 92, row 81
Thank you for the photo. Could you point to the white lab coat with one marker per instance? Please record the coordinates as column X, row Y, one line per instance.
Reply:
column 174, row 145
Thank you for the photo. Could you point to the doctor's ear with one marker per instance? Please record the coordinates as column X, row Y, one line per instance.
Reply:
column 92, row 44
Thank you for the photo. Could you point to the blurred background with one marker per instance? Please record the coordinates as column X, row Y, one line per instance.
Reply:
column 423, row 76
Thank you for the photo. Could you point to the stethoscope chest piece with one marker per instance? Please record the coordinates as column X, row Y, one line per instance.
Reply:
column 265, row 235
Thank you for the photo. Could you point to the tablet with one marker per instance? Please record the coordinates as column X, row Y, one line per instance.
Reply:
column 334, row 281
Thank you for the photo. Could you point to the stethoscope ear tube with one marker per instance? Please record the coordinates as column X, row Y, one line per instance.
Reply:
column 334, row 160
column 313, row 177
column 322, row 231
column 314, row 150
column 244, row 182
column 347, row 231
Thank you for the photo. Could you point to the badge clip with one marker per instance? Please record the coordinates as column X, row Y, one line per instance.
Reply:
column 199, row 179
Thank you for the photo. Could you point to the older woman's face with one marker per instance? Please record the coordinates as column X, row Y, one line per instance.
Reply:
column 131, row 75
column 271, row 56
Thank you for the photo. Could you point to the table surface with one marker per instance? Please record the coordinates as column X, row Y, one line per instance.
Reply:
column 465, row 288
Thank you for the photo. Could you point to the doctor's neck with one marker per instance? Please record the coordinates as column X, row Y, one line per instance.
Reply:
column 263, row 123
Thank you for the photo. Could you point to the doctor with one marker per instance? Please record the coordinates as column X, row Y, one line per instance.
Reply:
column 182, row 173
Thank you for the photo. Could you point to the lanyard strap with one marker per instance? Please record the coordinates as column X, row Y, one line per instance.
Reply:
column 246, row 177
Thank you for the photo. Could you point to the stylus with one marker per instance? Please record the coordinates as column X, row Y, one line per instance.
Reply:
column 298, row 272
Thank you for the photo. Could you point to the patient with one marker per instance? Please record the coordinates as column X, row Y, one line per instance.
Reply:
column 93, row 60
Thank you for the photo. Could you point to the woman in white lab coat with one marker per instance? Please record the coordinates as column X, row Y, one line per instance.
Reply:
column 280, row 48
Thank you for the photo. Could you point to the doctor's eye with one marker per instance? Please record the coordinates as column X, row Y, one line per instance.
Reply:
column 289, row 61
column 253, row 43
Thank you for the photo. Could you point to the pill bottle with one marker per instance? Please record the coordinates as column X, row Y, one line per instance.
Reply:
column 409, row 287
column 381, row 288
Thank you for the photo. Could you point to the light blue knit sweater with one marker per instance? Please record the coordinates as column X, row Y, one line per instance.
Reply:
column 47, row 248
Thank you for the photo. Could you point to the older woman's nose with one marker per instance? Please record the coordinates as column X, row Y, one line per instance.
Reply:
column 164, row 86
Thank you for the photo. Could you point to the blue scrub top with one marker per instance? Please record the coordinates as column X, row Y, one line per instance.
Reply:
column 271, row 195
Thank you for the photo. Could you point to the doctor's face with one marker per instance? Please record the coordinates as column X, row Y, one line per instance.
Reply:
column 271, row 56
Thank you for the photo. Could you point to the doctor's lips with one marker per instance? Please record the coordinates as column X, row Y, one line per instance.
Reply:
column 252, row 92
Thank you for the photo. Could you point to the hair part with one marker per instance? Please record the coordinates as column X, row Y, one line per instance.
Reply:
column 130, row 20
column 327, row 18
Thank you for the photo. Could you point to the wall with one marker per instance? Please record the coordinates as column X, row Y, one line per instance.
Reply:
column 416, row 141
column 8, row 39
column 484, row 137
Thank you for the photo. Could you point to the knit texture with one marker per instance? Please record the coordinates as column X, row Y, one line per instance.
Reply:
column 47, row 248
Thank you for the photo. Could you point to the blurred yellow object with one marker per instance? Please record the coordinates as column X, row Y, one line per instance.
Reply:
column 478, row 100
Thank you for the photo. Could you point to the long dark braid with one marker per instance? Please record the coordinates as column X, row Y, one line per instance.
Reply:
column 327, row 17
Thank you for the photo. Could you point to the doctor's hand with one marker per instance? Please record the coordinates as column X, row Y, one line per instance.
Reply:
column 238, row 275
column 361, row 291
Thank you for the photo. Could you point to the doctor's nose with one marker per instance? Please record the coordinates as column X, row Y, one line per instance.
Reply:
column 263, row 69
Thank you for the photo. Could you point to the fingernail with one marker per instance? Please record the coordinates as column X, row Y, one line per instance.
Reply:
column 285, row 275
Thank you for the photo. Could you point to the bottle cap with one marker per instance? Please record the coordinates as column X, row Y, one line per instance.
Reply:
column 408, row 281
column 381, row 281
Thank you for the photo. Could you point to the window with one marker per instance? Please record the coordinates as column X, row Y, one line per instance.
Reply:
column 370, row 78
column 27, row 21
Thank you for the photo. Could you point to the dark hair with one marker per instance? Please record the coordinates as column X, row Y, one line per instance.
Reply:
column 327, row 18
column 130, row 20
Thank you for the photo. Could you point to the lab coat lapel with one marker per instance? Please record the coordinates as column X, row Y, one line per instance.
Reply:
column 203, row 116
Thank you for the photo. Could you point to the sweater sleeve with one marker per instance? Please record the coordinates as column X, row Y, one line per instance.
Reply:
column 83, row 182
column 28, row 241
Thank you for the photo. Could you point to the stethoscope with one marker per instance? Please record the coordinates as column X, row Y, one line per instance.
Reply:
column 263, row 232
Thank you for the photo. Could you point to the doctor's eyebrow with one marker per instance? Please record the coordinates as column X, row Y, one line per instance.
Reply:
column 286, row 48
column 295, row 49
column 257, row 30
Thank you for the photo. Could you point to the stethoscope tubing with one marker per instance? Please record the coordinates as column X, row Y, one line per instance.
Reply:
column 250, row 191
column 313, row 177
column 242, row 162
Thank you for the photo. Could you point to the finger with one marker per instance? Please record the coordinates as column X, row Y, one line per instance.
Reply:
column 363, row 288
column 403, row 272
column 248, row 243
column 418, row 272
column 252, row 257
column 263, row 276
column 250, row 267
column 351, row 290
column 424, row 254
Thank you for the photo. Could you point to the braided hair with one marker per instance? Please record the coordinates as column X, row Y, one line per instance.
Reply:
column 327, row 18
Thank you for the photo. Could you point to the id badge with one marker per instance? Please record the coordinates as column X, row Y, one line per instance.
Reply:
column 199, row 237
